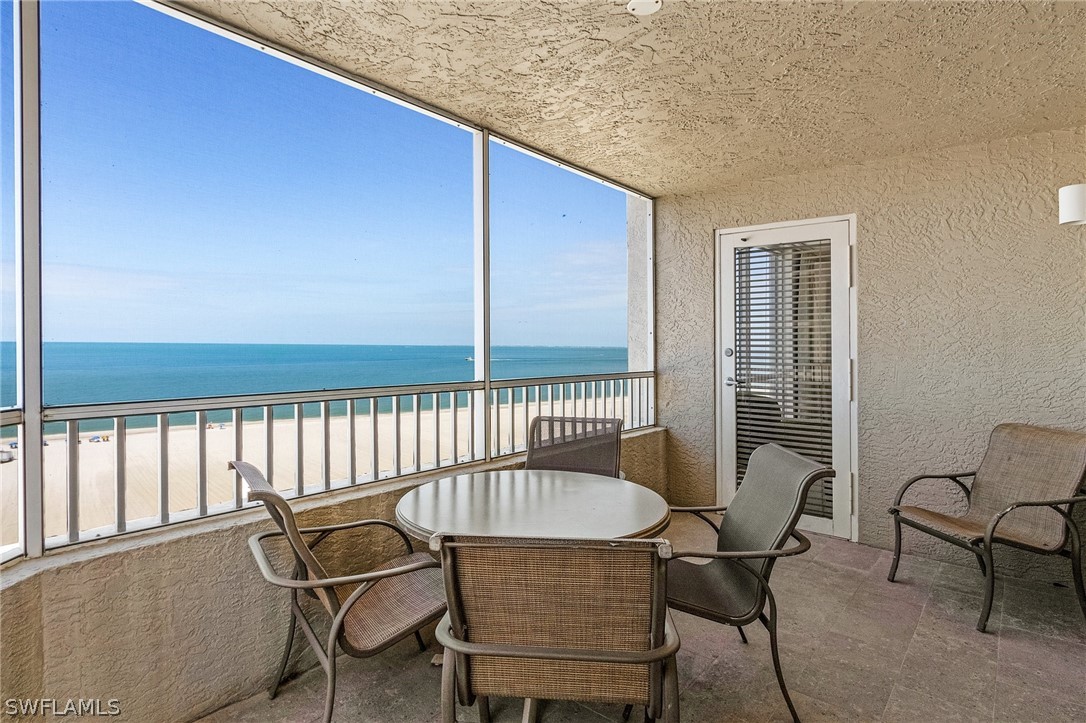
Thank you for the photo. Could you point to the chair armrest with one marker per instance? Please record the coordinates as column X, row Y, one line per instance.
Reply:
column 803, row 546
column 699, row 512
column 274, row 578
column 954, row 477
column 1054, row 504
column 1046, row 503
column 325, row 531
column 668, row 648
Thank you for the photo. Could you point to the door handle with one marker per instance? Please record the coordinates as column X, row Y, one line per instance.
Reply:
column 730, row 382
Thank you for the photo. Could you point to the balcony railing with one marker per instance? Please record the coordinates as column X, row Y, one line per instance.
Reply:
column 113, row 468
column 514, row 402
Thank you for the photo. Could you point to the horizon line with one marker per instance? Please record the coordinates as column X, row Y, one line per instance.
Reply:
column 292, row 343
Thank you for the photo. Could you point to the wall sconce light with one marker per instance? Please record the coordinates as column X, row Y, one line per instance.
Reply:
column 643, row 7
column 1073, row 205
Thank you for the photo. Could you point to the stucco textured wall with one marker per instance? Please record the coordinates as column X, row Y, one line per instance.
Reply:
column 22, row 650
column 972, row 309
column 177, row 623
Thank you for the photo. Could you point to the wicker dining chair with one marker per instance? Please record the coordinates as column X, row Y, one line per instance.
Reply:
column 580, row 620
column 733, row 587
column 575, row 444
column 367, row 612
column 1023, row 495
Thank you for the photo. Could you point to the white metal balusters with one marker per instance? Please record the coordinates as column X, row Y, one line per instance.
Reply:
column 166, row 460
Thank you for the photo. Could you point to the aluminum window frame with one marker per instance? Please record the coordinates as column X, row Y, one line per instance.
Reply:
column 30, row 412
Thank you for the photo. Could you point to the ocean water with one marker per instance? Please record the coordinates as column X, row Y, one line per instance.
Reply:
column 85, row 373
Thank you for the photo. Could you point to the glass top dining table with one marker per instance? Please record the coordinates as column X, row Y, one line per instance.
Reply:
column 533, row 503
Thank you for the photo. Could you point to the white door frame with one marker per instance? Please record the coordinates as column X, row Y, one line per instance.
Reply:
column 845, row 487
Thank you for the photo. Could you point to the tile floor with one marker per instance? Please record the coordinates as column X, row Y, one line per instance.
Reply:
column 853, row 647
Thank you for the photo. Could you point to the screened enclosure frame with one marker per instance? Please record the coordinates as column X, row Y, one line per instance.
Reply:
column 29, row 413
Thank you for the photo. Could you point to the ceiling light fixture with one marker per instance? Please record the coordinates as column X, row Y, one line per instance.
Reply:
column 644, row 7
column 1073, row 205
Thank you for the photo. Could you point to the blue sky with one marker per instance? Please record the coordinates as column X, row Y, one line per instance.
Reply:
column 197, row 190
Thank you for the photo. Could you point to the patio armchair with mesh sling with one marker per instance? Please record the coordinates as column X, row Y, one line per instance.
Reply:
column 367, row 612
column 733, row 587
column 1023, row 495
column 575, row 444
column 580, row 620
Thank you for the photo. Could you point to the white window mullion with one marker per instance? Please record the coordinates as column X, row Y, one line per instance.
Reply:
column 28, row 270
column 481, row 181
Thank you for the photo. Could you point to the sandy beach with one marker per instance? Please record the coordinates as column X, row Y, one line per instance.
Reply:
column 97, row 461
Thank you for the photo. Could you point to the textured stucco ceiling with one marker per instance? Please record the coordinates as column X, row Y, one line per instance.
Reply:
column 706, row 93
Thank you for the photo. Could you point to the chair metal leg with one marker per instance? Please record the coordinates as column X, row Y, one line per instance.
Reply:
column 484, row 708
column 627, row 711
column 330, row 668
column 419, row 640
column 742, row 634
column 771, row 625
column 1076, row 566
column 286, row 652
column 671, row 692
column 897, row 549
column 531, row 710
column 981, row 565
column 989, row 588
column 448, row 687
column 330, row 694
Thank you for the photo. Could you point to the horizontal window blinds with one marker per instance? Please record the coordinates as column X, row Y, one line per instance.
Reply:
column 783, row 356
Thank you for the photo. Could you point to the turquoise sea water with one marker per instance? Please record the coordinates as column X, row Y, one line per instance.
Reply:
column 84, row 373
